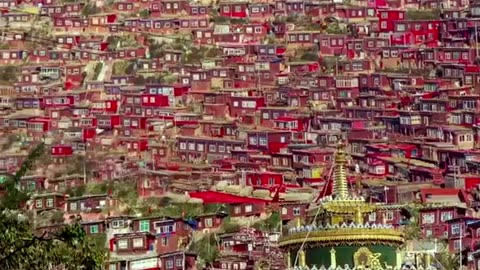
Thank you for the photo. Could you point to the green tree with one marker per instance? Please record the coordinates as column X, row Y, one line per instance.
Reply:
column 206, row 249
column 90, row 9
column 8, row 74
column 97, row 70
column 412, row 230
column 272, row 223
column 420, row 15
column 14, row 198
column 229, row 226
column 22, row 248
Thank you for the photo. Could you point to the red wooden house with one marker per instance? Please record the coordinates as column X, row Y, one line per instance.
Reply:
column 291, row 211
column 88, row 203
column 37, row 126
column 463, row 234
column 47, row 202
column 236, row 9
column 260, row 11
column 61, row 152
column 71, row 23
column 126, row 6
column 8, row 57
column 245, row 106
column 268, row 141
column 264, row 179
column 387, row 19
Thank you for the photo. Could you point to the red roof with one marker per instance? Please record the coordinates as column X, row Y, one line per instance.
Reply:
column 220, row 197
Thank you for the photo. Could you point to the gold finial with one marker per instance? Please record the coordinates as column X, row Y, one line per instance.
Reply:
column 340, row 187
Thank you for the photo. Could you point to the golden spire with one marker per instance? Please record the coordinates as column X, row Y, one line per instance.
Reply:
column 340, row 186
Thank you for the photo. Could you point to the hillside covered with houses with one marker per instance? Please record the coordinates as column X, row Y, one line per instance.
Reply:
column 185, row 135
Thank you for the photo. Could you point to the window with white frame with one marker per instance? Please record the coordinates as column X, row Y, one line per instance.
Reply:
column 262, row 141
column 138, row 242
column 122, row 244
column 200, row 147
column 455, row 229
column 39, row 203
column 169, row 264
column 212, row 148
column 208, row 223
column 252, row 140
column 296, row 211
column 248, row 208
column 249, row 104
column 50, row 202
column 457, row 244
column 183, row 146
column 221, row 148
column 115, row 223
column 179, row 262
column 446, row 216
column 428, row 218
column 372, row 217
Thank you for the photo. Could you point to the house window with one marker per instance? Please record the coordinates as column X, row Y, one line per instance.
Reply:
column 169, row 264
column 164, row 241
column 271, row 181
column 122, row 244
column 73, row 206
column 252, row 141
column 138, row 242
column 296, row 211
column 457, row 244
column 50, row 202
column 179, row 262
column 237, row 210
column 428, row 233
column 389, row 215
column 94, row 229
column 183, row 146
column 39, row 203
column 200, row 147
column 446, row 216
column 191, row 146
column 208, row 223
column 428, row 218
column 221, row 148
column 372, row 217
column 212, row 148
column 455, row 230
column 263, row 141
column 115, row 223
column 248, row 208
column 144, row 225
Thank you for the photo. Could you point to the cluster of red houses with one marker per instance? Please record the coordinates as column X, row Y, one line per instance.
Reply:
column 258, row 122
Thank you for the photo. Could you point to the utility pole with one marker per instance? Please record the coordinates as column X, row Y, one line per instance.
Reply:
column 460, row 248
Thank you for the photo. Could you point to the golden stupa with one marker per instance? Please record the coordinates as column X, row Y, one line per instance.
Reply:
column 339, row 235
